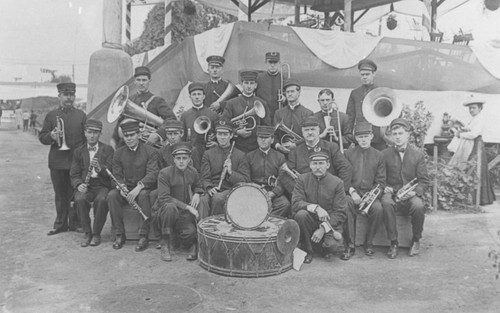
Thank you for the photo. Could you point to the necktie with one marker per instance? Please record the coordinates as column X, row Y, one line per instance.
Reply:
column 92, row 149
column 400, row 150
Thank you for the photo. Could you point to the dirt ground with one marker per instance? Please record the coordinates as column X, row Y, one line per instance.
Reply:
column 54, row 274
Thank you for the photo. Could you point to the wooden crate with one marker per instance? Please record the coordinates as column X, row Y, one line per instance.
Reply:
column 403, row 224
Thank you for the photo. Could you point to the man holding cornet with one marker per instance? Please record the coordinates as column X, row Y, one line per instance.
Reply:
column 407, row 180
column 63, row 130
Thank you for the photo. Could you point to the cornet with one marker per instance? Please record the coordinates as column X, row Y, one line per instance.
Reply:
column 247, row 118
column 61, row 137
column 368, row 199
column 281, row 96
column 406, row 189
column 289, row 136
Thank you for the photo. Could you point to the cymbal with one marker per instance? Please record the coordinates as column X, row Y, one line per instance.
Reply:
column 288, row 237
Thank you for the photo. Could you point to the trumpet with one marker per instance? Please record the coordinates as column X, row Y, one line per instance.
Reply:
column 123, row 189
column 247, row 117
column 406, row 189
column 202, row 126
column 368, row 199
column 61, row 138
column 281, row 96
column 289, row 136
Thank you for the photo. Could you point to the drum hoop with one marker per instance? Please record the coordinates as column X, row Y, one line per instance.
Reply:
column 258, row 187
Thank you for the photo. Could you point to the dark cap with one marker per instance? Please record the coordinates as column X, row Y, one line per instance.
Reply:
column 265, row 131
column 363, row 128
column 310, row 121
column 291, row 82
column 196, row 86
column 223, row 125
column 367, row 64
column 130, row 127
column 400, row 122
column 142, row 70
column 216, row 59
column 318, row 154
column 93, row 124
column 273, row 56
column 66, row 87
column 181, row 148
column 172, row 124
column 471, row 99
column 248, row 75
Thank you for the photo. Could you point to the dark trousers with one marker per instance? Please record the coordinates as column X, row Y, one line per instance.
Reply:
column 183, row 222
column 217, row 203
column 66, row 214
column 375, row 217
column 97, row 195
column 413, row 207
column 308, row 224
column 116, row 204
column 281, row 206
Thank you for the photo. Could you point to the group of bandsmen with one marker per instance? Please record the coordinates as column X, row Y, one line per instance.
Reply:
column 301, row 166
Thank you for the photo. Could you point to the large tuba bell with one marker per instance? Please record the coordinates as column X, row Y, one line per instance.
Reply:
column 245, row 119
column 381, row 106
column 202, row 126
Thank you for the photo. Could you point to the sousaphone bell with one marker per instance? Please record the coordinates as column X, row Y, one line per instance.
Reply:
column 381, row 106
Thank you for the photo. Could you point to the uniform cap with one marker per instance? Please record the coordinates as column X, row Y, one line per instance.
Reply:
column 310, row 121
column 93, row 124
column 223, row 125
column 290, row 82
column 66, row 87
column 318, row 154
column 181, row 148
column 130, row 127
column 367, row 64
column 142, row 70
column 196, row 86
column 216, row 59
column 172, row 124
column 265, row 131
column 248, row 75
column 363, row 128
column 400, row 122
column 273, row 56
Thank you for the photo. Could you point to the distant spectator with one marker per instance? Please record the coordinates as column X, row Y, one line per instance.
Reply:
column 0, row 115
column 19, row 117
column 33, row 117
column 26, row 121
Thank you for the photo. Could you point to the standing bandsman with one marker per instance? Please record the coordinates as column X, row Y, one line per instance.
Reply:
column 292, row 115
column 92, row 183
column 368, row 171
column 367, row 70
column 269, row 82
column 326, row 100
column 216, row 86
column 264, row 163
column 135, row 166
column 215, row 162
column 179, row 191
column 71, row 133
column 319, row 203
column 403, row 163
column 245, row 139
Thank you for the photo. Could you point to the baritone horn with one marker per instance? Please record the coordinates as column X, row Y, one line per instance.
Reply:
column 381, row 106
column 247, row 118
column 289, row 136
column 61, row 137
column 202, row 126
column 281, row 96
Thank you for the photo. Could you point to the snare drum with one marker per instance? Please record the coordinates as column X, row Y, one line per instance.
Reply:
column 247, row 206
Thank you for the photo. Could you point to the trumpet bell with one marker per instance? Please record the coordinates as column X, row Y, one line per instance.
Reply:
column 381, row 106
column 118, row 104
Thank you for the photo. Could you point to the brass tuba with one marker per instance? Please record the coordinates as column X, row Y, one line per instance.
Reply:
column 247, row 117
column 202, row 126
column 61, row 138
column 381, row 106
column 289, row 136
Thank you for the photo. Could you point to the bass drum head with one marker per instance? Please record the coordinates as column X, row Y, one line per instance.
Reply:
column 247, row 206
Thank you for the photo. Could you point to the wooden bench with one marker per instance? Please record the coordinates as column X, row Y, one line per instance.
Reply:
column 403, row 224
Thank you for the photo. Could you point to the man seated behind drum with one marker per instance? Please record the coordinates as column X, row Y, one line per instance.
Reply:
column 179, row 190
column 319, row 203
column 215, row 162
column 265, row 163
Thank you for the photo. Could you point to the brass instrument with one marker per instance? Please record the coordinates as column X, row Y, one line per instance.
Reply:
column 61, row 137
column 292, row 173
column 229, row 93
column 381, row 106
column 224, row 170
column 272, row 181
column 406, row 189
column 202, row 126
column 123, row 189
column 289, row 136
column 368, row 199
column 281, row 96
column 247, row 117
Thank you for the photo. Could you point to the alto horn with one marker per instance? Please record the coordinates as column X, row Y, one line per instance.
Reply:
column 381, row 106
column 202, row 126
column 247, row 118
column 289, row 136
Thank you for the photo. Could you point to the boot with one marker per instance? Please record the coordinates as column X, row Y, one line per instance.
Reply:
column 192, row 254
column 165, row 249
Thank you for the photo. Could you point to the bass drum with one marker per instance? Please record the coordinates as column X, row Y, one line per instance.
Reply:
column 247, row 206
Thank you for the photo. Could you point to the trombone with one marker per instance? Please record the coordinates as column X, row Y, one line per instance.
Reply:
column 281, row 96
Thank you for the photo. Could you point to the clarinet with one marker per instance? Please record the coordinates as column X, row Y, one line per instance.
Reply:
column 133, row 203
column 224, row 170
column 89, row 173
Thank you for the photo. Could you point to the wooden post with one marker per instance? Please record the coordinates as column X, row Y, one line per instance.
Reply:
column 297, row 12
column 479, row 164
column 435, row 187
column 168, row 39
column 348, row 15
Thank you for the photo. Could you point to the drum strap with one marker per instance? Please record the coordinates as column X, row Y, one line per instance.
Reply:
column 146, row 104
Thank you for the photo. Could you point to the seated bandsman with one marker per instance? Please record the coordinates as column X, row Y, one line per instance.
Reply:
column 368, row 172
column 319, row 204
column 269, row 82
column 179, row 191
column 216, row 86
column 265, row 163
column 91, row 182
column 403, row 163
column 245, row 138
column 292, row 115
column 222, row 167
column 135, row 166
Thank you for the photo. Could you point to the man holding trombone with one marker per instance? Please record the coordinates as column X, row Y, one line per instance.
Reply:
column 63, row 131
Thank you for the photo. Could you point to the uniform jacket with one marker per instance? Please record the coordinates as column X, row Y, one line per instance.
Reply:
column 157, row 106
column 211, row 168
column 214, row 90
column 81, row 163
column 292, row 118
column 347, row 136
column 130, row 167
column 175, row 186
column 267, row 88
column 165, row 158
column 188, row 118
column 263, row 165
column 368, row 168
column 74, row 126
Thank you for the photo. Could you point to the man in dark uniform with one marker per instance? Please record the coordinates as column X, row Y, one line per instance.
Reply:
column 216, row 86
column 245, row 139
column 269, row 82
column 403, row 163
column 179, row 191
column 91, row 181
column 292, row 115
column 215, row 161
column 319, row 204
column 135, row 166
column 367, row 70
column 60, row 159
column 264, row 163
column 368, row 171
column 330, row 132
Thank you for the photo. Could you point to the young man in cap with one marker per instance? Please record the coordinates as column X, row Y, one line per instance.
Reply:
column 265, row 162
column 246, row 139
column 216, row 86
column 135, row 166
column 179, row 191
column 319, row 204
column 292, row 115
column 367, row 70
column 403, row 163
column 91, row 181
column 269, row 82
column 329, row 109
column 368, row 171
column 215, row 161
column 70, row 132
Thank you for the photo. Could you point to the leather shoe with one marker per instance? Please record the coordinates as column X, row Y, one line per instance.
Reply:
column 55, row 231
column 165, row 253
column 309, row 258
column 415, row 249
column 348, row 253
column 393, row 252
column 328, row 257
column 142, row 244
column 96, row 240
column 86, row 240
column 119, row 242
column 192, row 255
column 369, row 250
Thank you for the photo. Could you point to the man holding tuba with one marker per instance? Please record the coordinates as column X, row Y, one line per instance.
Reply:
column 218, row 90
column 63, row 129
column 269, row 82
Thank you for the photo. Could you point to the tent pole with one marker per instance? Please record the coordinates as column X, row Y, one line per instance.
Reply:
column 297, row 12
column 348, row 14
